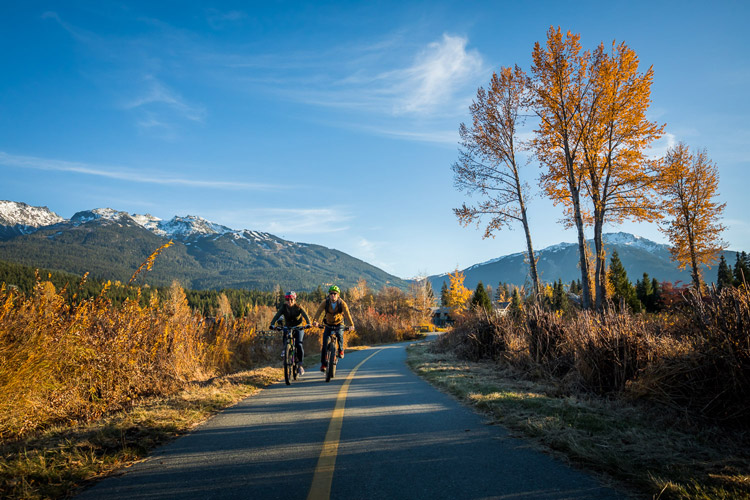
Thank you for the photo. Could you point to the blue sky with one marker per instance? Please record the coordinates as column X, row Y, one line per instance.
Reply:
column 333, row 123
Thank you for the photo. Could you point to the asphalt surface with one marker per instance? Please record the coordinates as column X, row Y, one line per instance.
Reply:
column 399, row 438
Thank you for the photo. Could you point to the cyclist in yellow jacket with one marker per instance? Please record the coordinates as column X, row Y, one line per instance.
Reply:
column 336, row 311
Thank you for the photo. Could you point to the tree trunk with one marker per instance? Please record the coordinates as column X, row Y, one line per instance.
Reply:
column 696, row 274
column 529, row 247
column 600, row 276
column 583, row 256
column 530, row 250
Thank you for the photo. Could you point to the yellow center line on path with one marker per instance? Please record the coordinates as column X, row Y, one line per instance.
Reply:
column 323, row 478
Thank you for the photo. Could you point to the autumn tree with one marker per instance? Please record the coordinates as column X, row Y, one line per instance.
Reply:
column 488, row 162
column 458, row 295
column 563, row 98
column 423, row 298
column 618, row 180
column 689, row 185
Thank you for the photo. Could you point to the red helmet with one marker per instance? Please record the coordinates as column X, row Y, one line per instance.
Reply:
column 291, row 295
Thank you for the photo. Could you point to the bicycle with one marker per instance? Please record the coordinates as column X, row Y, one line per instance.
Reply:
column 291, row 364
column 332, row 354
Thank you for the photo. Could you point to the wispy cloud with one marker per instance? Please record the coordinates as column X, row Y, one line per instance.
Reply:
column 290, row 221
column 438, row 79
column 127, row 174
column 439, row 71
column 218, row 19
column 659, row 148
column 157, row 93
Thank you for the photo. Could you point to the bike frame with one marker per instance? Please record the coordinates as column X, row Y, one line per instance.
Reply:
column 291, row 365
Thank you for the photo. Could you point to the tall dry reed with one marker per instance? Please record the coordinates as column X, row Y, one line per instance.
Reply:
column 695, row 359
column 62, row 360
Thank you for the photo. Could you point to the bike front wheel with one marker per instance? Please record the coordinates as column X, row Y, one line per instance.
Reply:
column 288, row 364
column 331, row 368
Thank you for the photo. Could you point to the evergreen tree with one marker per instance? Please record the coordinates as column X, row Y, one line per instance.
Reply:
column 516, row 308
column 622, row 288
column 724, row 277
column 499, row 293
column 656, row 286
column 481, row 299
column 644, row 290
column 741, row 269
column 444, row 295
column 560, row 298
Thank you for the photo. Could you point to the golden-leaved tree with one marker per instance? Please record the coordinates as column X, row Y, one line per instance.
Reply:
column 618, row 178
column 563, row 100
column 488, row 164
column 689, row 185
column 591, row 140
column 457, row 294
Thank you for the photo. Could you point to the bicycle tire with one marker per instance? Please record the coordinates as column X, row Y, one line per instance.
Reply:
column 331, row 367
column 288, row 363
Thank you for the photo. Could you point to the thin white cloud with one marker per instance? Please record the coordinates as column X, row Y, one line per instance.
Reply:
column 446, row 137
column 291, row 221
column 659, row 148
column 125, row 174
column 157, row 93
column 439, row 80
column 438, row 72
column 219, row 20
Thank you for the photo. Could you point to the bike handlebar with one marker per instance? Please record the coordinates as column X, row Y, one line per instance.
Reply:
column 300, row 327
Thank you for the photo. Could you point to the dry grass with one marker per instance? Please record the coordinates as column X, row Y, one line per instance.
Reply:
column 56, row 462
column 66, row 362
column 646, row 450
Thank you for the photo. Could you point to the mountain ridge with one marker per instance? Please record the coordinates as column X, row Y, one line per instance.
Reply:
column 560, row 261
column 111, row 244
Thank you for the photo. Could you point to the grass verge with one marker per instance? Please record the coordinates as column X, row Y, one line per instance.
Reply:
column 59, row 461
column 653, row 454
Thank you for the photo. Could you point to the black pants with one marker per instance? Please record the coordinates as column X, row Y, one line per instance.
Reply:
column 337, row 330
column 299, row 335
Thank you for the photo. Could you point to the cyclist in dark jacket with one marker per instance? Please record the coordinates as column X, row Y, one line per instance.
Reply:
column 335, row 311
column 293, row 314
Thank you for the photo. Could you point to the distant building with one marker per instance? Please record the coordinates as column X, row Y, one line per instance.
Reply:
column 502, row 308
column 441, row 316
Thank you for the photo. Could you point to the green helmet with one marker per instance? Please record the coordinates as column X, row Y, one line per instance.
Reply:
column 334, row 289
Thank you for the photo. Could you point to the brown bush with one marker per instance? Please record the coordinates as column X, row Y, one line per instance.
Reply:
column 695, row 359
column 708, row 376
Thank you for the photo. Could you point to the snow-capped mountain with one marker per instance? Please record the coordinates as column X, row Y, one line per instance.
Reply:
column 20, row 214
column 560, row 261
column 20, row 218
column 111, row 244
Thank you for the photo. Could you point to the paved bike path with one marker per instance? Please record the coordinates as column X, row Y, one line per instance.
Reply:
column 399, row 438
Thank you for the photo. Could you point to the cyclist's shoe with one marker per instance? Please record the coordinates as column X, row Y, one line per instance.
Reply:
column 341, row 353
column 323, row 368
column 282, row 354
column 301, row 371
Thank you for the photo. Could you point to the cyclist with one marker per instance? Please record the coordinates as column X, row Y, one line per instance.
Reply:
column 335, row 311
column 293, row 314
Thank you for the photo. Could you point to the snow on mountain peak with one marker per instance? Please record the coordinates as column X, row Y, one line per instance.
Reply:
column 108, row 214
column 13, row 213
column 191, row 225
column 627, row 239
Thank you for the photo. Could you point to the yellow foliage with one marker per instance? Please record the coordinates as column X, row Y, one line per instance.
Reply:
column 458, row 295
